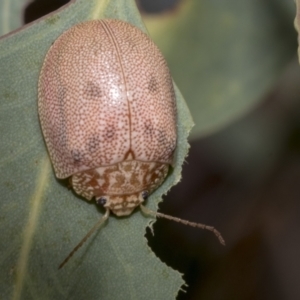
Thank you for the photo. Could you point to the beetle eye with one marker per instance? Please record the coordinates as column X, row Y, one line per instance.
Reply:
column 145, row 195
column 101, row 201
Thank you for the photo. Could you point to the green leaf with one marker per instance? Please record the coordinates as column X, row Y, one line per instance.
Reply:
column 224, row 55
column 40, row 219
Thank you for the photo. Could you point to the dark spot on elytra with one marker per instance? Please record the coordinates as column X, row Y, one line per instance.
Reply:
column 61, row 95
column 148, row 127
column 93, row 90
column 162, row 137
column 153, row 85
column 76, row 155
column 110, row 132
column 131, row 43
column 93, row 144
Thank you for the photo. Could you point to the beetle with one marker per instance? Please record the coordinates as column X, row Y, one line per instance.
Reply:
column 107, row 110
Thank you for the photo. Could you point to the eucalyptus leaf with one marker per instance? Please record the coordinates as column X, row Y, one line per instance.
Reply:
column 40, row 219
column 225, row 55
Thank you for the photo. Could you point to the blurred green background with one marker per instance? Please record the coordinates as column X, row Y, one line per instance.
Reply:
column 236, row 64
column 237, row 67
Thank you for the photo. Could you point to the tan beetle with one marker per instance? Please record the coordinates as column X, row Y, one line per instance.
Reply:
column 108, row 114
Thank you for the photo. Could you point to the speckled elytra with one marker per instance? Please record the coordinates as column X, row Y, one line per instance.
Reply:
column 108, row 114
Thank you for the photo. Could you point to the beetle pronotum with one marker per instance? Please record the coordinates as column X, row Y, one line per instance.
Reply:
column 108, row 114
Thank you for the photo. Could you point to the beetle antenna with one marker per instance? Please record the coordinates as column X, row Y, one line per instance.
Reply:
column 147, row 211
column 95, row 227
